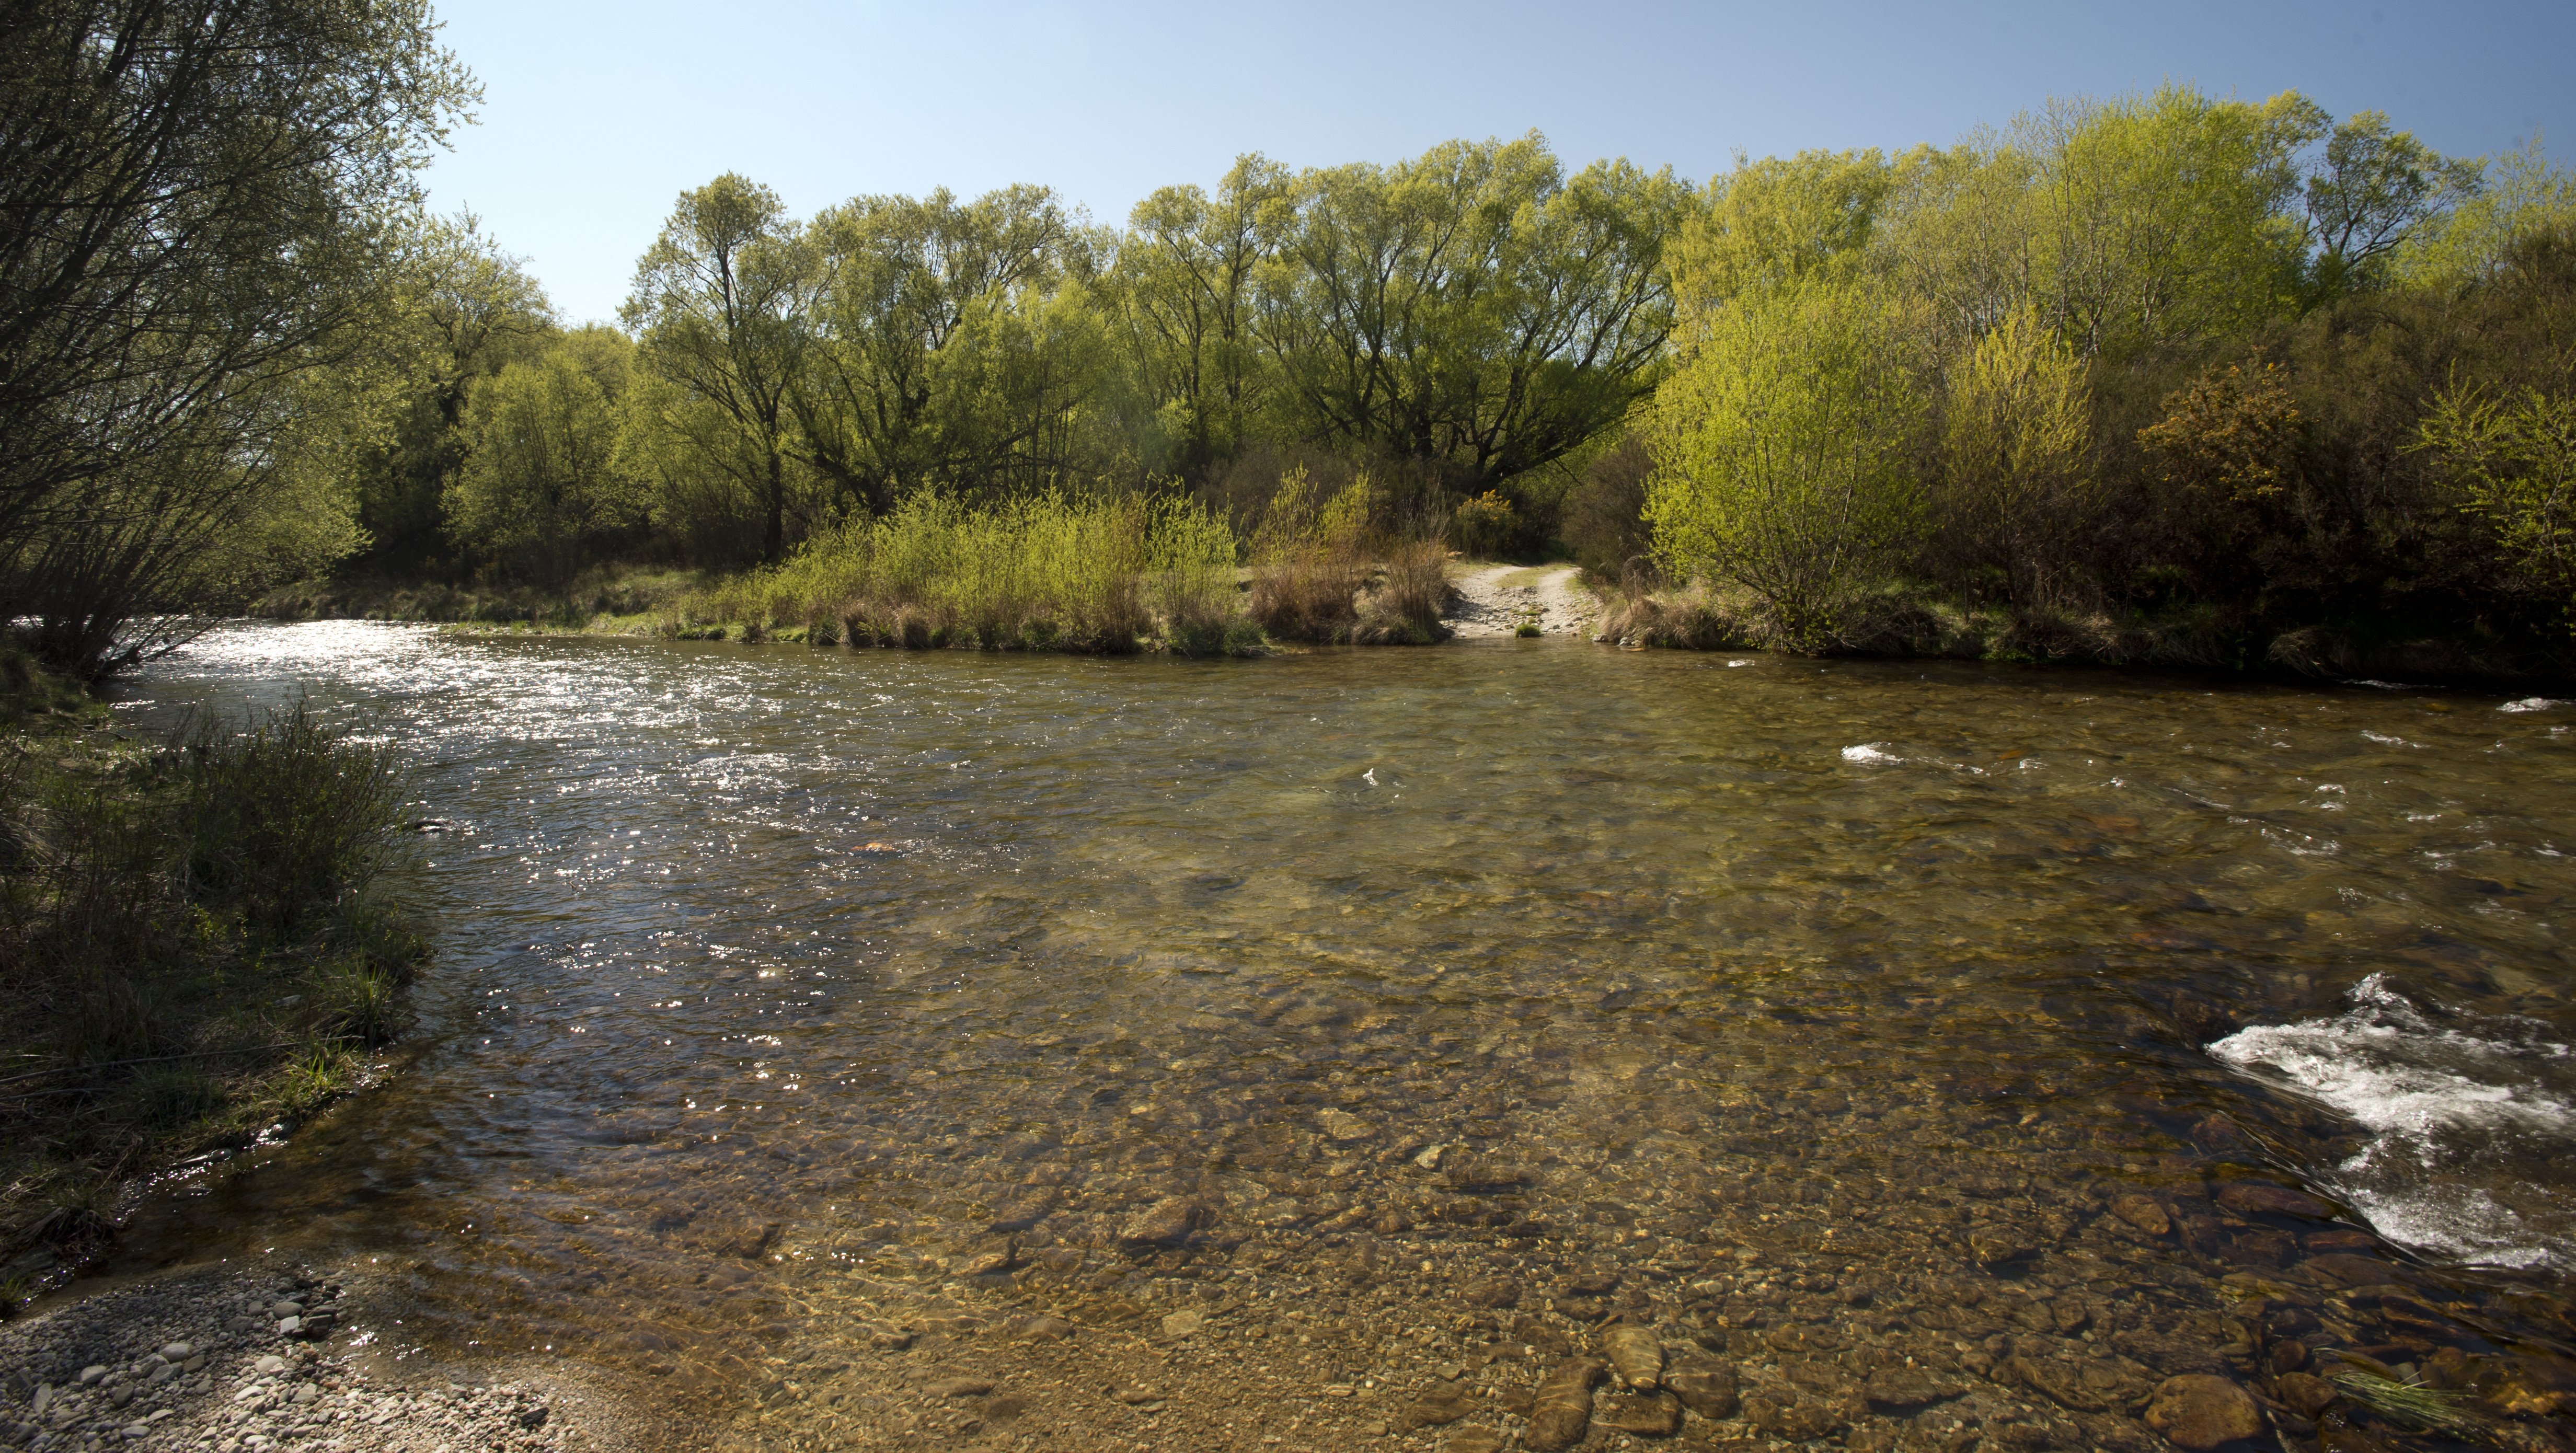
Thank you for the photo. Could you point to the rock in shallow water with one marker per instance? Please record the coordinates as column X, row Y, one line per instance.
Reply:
column 2201, row 1411
column 1167, row 1222
column 1442, row 1405
column 1706, row 1388
column 1652, row 1415
column 2143, row 1213
column 1561, row 1410
column 1635, row 1355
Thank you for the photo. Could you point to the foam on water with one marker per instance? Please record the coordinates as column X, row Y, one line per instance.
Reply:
column 2472, row 1119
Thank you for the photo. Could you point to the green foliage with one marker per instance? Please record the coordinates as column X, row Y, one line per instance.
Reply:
column 197, row 207
column 2513, row 459
column 1783, row 449
column 2016, row 433
column 1484, row 524
column 543, row 482
column 2519, row 198
column 190, row 916
column 1046, row 573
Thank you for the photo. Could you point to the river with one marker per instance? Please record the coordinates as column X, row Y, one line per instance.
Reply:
column 1314, row 1032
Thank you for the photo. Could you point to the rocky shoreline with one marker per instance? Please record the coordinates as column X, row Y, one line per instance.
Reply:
column 229, row 1360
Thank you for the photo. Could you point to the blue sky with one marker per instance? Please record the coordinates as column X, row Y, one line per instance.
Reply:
column 596, row 114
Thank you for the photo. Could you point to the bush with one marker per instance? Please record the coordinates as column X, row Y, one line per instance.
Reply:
column 1782, row 452
column 174, row 921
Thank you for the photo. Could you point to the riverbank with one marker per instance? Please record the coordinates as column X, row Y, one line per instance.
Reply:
column 246, row 1358
column 1903, row 625
column 190, row 952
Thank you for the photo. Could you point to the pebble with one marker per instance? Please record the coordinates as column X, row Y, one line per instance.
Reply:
column 1184, row 1323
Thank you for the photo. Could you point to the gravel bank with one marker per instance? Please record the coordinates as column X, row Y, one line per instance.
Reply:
column 232, row 1360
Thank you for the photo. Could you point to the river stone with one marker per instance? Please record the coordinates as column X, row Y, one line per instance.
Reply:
column 960, row 1387
column 2201, row 1411
column 1635, row 1355
column 1797, row 1420
column 1481, row 1173
column 1024, row 1213
column 2336, row 1434
column 1167, row 1222
column 2256, row 1198
column 1706, row 1388
column 1343, row 1125
column 1651, row 1415
column 1444, row 1404
column 1561, row 1409
column 2304, row 1393
column 1903, row 1389
column 2342, row 1268
column 1184, row 1323
column 2143, row 1213
column 1043, row 1329
column 1473, row 1440
column 1994, row 1246
column 1496, row 1293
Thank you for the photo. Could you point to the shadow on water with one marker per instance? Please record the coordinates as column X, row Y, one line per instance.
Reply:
column 807, row 1021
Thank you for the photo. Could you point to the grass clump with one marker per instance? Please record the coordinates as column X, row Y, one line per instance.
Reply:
column 191, row 949
column 1105, row 577
column 2409, row 1404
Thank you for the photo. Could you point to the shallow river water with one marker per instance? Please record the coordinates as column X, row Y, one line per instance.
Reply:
column 1323, row 1049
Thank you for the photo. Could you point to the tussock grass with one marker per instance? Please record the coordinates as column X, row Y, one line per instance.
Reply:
column 2410, row 1404
column 190, row 949
column 1106, row 577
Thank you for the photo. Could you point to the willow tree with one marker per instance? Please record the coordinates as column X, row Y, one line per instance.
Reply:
column 1784, row 447
column 719, row 305
column 197, row 200
column 1472, row 309
column 952, row 345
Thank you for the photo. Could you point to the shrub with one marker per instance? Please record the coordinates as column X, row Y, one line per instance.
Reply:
column 1484, row 524
column 1782, row 451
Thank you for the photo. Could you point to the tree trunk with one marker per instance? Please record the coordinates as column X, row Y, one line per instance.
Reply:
column 773, row 535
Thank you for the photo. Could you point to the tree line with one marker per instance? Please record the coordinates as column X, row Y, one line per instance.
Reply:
column 2162, row 357
column 1456, row 322
column 2279, row 383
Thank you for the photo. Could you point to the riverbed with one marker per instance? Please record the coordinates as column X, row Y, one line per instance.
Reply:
column 856, row 1049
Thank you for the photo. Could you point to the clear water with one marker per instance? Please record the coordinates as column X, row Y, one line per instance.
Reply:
column 1813, row 1010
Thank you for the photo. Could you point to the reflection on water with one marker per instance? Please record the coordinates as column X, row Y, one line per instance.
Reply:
column 1412, row 1015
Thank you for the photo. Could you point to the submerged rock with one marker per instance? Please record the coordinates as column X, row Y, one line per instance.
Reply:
column 1652, row 1415
column 1706, row 1388
column 1442, row 1405
column 2255, row 1198
column 2200, row 1411
column 1561, row 1410
column 1635, row 1355
column 1167, row 1222
column 2143, row 1213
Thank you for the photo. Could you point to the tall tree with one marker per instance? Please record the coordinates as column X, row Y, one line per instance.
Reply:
column 904, row 284
column 194, row 205
column 1471, row 309
column 1184, row 289
column 720, row 303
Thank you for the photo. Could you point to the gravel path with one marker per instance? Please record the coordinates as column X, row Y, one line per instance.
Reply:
column 232, row 1360
column 1493, row 600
